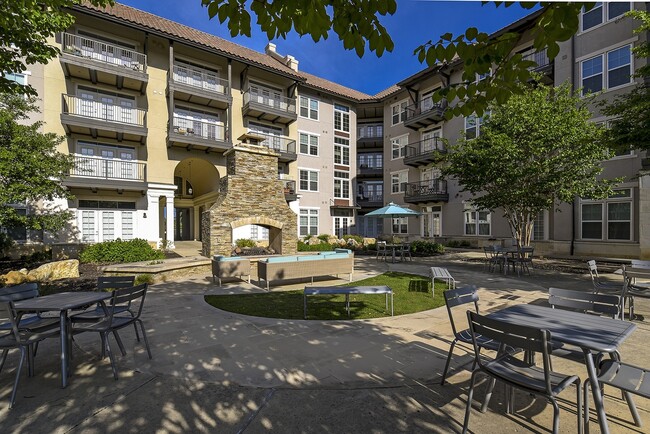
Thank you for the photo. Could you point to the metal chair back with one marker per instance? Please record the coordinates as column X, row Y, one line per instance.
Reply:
column 23, row 291
column 459, row 297
column 602, row 304
column 133, row 295
column 105, row 283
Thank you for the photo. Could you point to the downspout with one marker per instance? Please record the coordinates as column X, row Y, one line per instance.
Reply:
column 573, row 205
column 229, row 113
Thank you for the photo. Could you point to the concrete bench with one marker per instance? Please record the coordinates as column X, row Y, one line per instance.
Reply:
column 347, row 290
column 441, row 274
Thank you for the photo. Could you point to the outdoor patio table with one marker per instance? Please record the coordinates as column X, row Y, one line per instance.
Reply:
column 347, row 290
column 593, row 334
column 62, row 303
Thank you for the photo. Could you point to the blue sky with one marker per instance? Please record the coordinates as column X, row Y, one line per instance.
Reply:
column 414, row 23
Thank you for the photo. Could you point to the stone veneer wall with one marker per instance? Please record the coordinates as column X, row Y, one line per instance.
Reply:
column 251, row 193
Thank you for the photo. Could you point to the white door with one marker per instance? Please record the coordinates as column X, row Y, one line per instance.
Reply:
column 89, row 232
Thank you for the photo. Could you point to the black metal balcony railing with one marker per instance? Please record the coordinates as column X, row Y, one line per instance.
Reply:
column 91, row 109
column 539, row 57
column 430, row 188
column 200, row 129
column 103, row 52
column 370, row 132
column 277, row 143
column 425, row 147
column 289, row 186
column 278, row 102
column 370, row 197
column 103, row 168
column 199, row 78
column 425, row 106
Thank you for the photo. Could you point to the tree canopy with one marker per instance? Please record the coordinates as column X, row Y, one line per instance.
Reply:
column 355, row 22
column 533, row 152
column 25, row 27
column 31, row 169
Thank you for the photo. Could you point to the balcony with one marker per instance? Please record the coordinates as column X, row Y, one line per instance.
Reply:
column 545, row 66
column 101, row 62
column 117, row 121
column 370, row 200
column 434, row 190
column 366, row 171
column 96, row 172
column 199, row 86
column 285, row 146
column 425, row 113
column 289, row 186
column 426, row 151
column 261, row 105
column 195, row 134
column 370, row 136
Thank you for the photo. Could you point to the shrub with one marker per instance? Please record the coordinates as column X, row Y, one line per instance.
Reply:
column 36, row 257
column 458, row 243
column 6, row 243
column 322, row 247
column 143, row 278
column 323, row 237
column 426, row 248
column 357, row 238
column 120, row 251
column 245, row 242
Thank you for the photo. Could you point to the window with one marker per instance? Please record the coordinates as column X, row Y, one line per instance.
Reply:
column 473, row 125
column 398, row 146
column 309, row 108
column 308, row 180
column 539, row 226
column 17, row 77
column 341, row 185
column 341, row 151
column 370, row 131
column 610, row 219
column 18, row 232
column 371, row 161
column 341, row 118
column 618, row 67
column 308, row 222
column 398, row 112
column 400, row 225
column 594, row 17
column 106, row 220
column 592, row 75
column 308, row 144
column 617, row 63
column 398, row 181
column 477, row 222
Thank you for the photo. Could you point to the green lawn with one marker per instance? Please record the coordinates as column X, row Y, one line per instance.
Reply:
column 411, row 293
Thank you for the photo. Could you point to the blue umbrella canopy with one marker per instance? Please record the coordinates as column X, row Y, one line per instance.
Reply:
column 393, row 211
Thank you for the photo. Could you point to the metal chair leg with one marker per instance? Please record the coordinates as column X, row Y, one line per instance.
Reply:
column 18, row 371
column 581, row 429
column 488, row 395
column 146, row 341
column 556, row 416
column 468, row 409
column 444, row 373
column 110, row 354
column 4, row 359
column 119, row 342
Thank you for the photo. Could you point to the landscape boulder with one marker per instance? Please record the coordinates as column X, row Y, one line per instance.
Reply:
column 55, row 271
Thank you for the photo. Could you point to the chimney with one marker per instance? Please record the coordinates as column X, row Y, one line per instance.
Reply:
column 270, row 48
column 291, row 62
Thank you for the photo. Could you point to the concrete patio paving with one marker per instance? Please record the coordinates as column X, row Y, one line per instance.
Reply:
column 215, row 371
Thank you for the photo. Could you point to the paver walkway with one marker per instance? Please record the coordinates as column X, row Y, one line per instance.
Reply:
column 215, row 371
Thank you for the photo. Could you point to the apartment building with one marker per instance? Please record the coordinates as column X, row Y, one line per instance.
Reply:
column 149, row 107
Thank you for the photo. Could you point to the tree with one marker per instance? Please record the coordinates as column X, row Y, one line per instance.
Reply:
column 31, row 169
column 25, row 27
column 630, row 127
column 355, row 22
column 533, row 152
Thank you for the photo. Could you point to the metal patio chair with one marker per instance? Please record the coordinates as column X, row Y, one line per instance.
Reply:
column 515, row 373
column 494, row 257
column 461, row 297
column 111, row 323
column 23, row 339
column 404, row 251
column 382, row 249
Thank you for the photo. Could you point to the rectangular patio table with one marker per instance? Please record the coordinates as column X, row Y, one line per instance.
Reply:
column 62, row 303
column 591, row 333
column 347, row 290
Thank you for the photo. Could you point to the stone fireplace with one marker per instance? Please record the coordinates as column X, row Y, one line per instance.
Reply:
column 251, row 193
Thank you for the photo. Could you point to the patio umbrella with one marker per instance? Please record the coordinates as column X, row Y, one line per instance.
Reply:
column 393, row 211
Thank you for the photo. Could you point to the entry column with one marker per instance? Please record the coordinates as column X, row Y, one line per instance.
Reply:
column 169, row 207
